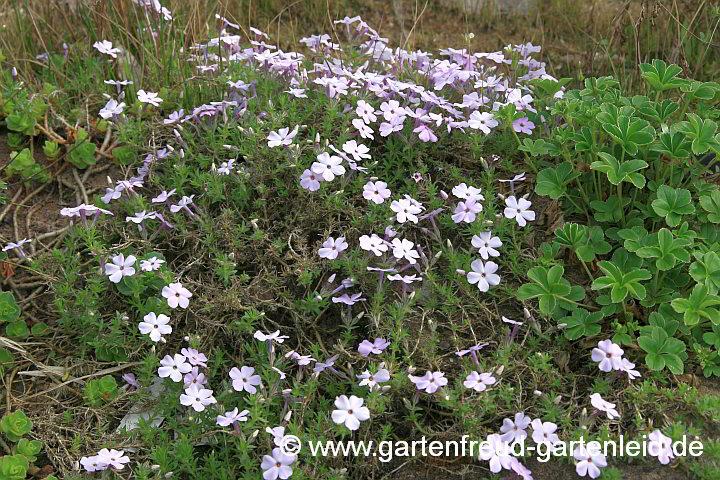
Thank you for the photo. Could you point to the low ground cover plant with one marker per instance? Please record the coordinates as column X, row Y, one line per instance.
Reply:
column 358, row 241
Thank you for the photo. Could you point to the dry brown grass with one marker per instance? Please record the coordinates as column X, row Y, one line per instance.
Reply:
column 598, row 37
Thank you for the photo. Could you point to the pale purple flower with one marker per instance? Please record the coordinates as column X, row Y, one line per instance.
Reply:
column 517, row 178
column 140, row 217
column 332, row 247
column 467, row 211
column 300, row 359
column 374, row 244
column 496, row 452
column 347, row 299
column 310, row 180
column 587, row 464
column 113, row 458
column 131, row 380
column 194, row 357
column 607, row 407
column 372, row 380
column 395, row 125
column 225, row 168
column 429, row 382
column 350, row 411
column 357, row 150
column 120, row 267
column 628, row 367
column 151, row 264
column 486, row 244
column 364, row 130
column 149, row 97
column 609, row 355
column 520, row 470
column 174, row 117
column 466, row 192
column 544, row 432
column 328, row 166
column 484, row 121
column 111, row 108
column 93, row 464
column 405, row 210
column 425, row 133
column 365, row 111
column 197, row 397
column 17, row 246
column 322, row 366
column 474, row 348
column 366, row 348
column 243, row 379
column 194, row 377
column 297, row 92
column 155, row 325
column 259, row 33
column 406, row 279
column 523, row 125
column 377, row 192
column 417, row 177
column 479, row 381
column 121, row 83
column 106, row 47
column 277, row 465
column 163, row 197
column 404, row 249
column 282, row 137
column 519, row 209
column 483, row 274
column 514, row 430
column 391, row 109
column 112, row 194
column 176, row 295
column 660, row 446
column 231, row 417
column 511, row 322
column 183, row 204
column 274, row 336
column 83, row 210
column 174, row 367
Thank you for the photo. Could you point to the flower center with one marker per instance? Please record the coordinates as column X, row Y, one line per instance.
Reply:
column 350, row 412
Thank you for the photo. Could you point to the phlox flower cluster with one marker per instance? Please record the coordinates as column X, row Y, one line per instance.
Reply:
column 377, row 104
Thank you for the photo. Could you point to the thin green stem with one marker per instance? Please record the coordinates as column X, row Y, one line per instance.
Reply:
column 587, row 270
